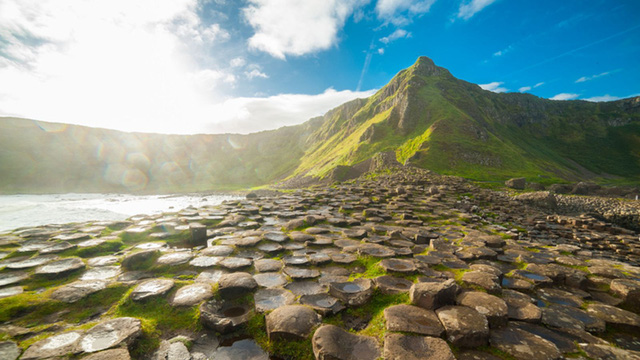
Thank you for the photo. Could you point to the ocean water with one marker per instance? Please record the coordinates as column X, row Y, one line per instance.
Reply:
column 18, row 211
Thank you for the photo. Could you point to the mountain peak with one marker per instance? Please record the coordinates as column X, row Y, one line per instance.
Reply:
column 426, row 67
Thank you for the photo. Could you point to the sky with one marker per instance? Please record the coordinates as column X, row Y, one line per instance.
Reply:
column 224, row 66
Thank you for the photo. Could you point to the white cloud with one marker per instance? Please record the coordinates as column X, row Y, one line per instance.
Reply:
column 244, row 115
column 565, row 96
column 381, row 51
column 470, row 8
column 503, row 51
column 400, row 12
column 237, row 62
column 255, row 73
column 398, row 34
column 602, row 98
column 294, row 27
column 528, row 88
column 588, row 78
column 494, row 87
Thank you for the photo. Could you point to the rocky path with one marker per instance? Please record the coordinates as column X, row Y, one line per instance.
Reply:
column 407, row 265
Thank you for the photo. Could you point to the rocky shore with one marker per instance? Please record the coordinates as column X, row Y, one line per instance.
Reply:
column 400, row 265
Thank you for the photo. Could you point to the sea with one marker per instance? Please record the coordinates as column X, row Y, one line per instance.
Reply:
column 17, row 211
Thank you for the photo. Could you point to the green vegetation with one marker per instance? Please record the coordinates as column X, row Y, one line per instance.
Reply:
column 290, row 349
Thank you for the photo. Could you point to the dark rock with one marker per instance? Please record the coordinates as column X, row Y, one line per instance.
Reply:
column 133, row 261
column 432, row 295
column 493, row 307
column 291, row 322
column 235, row 285
column 615, row 316
column 464, row 326
column 413, row 319
column 353, row 293
column 224, row 317
column 111, row 333
column 407, row 347
column 516, row 183
column 392, row 285
column 271, row 299
column 523, row 345
column 333, row 343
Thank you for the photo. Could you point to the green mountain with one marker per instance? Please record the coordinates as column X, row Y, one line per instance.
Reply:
column 424, row 117
column 430, row 119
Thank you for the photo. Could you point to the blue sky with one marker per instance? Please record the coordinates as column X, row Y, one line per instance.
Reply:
column 187, row 66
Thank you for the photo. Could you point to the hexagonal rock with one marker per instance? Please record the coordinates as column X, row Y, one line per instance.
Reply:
column 267, row 265
column 392, row 285
column 60, row 267
column 567, row 317
column 464, row 326
column 406, row 347
column 150, row 288
column 191, row 294
column 12, row 278
column 291, row 322
column 132, row 260
column 9, row 350
column 56, row 345
column 413, row 319
column 606, row 352
column 175, row 258
column 301, row 273
column 110, row 333
column 523, row 345
column 113, row 354
column 398, row 265
column 628, row 291
column 615, row 316
column 271, row 299
column 224, row 317
column 353, row 293
column 325, row 304
column 77, row 290
column 493, row 307
column 234, row 285
column 523, row 310
column 333, row 343
column 432, row 295
column 485, row 280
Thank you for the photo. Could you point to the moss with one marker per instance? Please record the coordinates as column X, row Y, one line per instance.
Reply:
column 532, row 249
column 375, row 309
column 496, row 352
column 108, row 247
column 371, row 266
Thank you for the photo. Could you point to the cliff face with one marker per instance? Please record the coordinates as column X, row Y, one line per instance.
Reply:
column 424, row 116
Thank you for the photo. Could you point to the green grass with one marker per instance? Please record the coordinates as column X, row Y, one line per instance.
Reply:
column 375, row 308
column 371, row 266
column 290, row 349
column 108, row 247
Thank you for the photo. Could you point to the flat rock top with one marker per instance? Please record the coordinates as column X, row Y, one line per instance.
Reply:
column 110, row 333
column 291, row 322
column 60, row 266
column 151, row 287
column 332, row 342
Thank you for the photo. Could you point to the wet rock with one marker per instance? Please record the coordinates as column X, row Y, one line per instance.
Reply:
column 407, row 347
column 375, row 250
column 464, row 326
column 267, row 265
column 9, row 350
column 241, row 350
column 475, row 355
column 60, row 267
column 56, row 345
column 353, row 293
column 270, row 280
column 306, row 288
column 392, row 285
column 322, row 303
column 134, row 260
column 231, row 286
column 191, row 294
column 101, row 273
column 77, row 290
column 234, row 263
column 301, row 273
column 110, row 333
column 271, row 299
column 175, row 258
column 562, row 342
column 398, row 265
column 12, row 278
column 413, row 319
column 432, row 295
column 11, row 291
column 523, row 345
column 615, row 316
column 224, row 317
column 291, row 322
column 493, row 307
column 150, row 288
column 561, row 297
column 332, row 342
